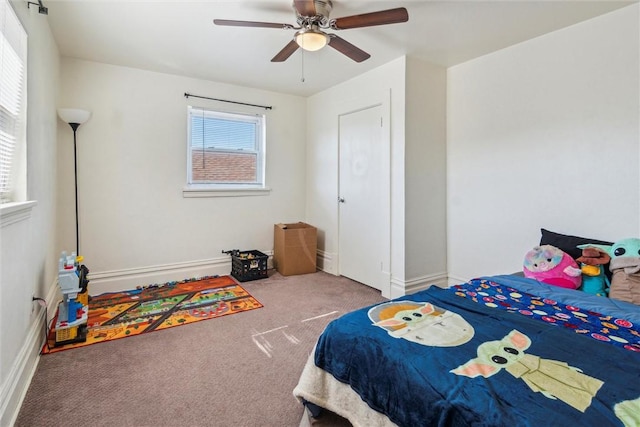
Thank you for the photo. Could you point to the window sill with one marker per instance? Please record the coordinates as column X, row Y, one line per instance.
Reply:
column 189, row 192
column 10, row 213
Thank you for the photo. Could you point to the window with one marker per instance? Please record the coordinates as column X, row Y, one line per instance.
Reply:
column 226, row 150
column 13, row 111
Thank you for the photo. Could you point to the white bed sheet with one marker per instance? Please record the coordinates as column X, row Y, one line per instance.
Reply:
column 321, row 388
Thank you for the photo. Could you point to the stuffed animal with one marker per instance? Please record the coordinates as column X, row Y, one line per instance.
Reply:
column 592, row 262
column 550, row 265
column 625, row 269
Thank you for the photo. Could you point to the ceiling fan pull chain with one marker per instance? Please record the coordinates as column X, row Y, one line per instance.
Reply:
column 302, row 56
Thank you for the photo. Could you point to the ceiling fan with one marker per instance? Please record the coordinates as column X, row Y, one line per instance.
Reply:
column 312, row 17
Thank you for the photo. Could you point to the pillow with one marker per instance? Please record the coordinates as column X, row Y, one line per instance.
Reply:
column 566, row 243
column 569, row 244
column 552, row 266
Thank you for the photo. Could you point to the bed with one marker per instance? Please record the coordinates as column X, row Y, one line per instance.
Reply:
column 495, row 351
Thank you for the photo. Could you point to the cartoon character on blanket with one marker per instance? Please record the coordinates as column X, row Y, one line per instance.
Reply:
column 422, row 323
column 552, row 378
column 425, row 324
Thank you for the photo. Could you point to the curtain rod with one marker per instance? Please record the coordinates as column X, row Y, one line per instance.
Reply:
column 187, row 95
column 41, row 8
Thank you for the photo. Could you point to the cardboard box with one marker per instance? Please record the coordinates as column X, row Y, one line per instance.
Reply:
column 294, row 248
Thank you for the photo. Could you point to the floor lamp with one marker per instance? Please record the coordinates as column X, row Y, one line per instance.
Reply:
column 75, row 117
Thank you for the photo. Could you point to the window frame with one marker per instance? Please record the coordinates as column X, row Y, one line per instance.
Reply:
column 14, row 189
column 207, row 189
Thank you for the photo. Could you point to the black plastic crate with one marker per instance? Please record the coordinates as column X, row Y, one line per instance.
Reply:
column 248, row 265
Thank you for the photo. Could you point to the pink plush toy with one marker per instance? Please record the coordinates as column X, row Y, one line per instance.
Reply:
column 550, row 265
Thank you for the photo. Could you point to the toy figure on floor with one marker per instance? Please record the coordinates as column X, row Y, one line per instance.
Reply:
column 550, row 265
column 592, row 263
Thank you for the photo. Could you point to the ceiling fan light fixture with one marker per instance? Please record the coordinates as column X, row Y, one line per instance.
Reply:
column 311, row 39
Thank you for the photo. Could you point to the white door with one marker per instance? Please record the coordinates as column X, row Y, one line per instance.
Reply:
column 364, row 199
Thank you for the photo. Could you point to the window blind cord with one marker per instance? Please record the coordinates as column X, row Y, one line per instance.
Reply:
column 203, row 140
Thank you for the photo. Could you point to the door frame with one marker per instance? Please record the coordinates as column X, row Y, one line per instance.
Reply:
column 382, row 99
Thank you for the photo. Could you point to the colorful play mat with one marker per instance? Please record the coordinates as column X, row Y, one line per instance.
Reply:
column 155, row 307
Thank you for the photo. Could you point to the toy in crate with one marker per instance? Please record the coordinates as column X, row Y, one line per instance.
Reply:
column 73, row 310
column 248, row 265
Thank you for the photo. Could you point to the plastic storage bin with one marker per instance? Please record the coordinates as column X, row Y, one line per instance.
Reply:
column 248, row 265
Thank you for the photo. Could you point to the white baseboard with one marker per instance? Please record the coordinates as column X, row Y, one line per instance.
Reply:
column 398, row 287
column 455, row 280
column 24, row 367
column 325, row 262
column 404, row 287
column 121, row 280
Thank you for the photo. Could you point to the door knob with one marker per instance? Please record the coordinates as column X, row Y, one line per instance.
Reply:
column 340, row 200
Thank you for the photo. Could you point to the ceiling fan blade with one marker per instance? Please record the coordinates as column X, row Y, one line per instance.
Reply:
column 346, row 48
column 305, row 7
column 383, row 17
column 233, row 23
column 286, row 52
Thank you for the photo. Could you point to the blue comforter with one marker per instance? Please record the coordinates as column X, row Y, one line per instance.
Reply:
column 497, row 351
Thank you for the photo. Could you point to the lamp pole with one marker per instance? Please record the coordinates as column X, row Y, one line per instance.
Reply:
column 74, row 126
column 75, row 117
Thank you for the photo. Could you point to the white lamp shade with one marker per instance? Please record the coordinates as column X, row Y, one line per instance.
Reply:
column 311, row 39
column 74, row 115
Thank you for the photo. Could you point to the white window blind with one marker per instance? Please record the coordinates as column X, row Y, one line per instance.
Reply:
column 13, row 61
column 225, row 149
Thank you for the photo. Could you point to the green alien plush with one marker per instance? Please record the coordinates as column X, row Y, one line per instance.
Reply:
column 625, row 269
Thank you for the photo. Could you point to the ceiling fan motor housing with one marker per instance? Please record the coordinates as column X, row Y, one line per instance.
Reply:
column 321, row 18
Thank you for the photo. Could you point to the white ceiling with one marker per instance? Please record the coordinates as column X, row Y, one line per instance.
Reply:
column 179, row 37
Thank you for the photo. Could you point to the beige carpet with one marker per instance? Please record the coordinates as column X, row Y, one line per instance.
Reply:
column 233, row 371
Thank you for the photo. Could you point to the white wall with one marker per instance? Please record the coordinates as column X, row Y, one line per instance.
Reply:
column 135, row 225
column 418, row 239
column 544, row 134
column 425, row 173
column 28, row 241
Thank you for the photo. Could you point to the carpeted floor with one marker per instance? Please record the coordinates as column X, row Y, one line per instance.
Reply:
column 234, row 371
